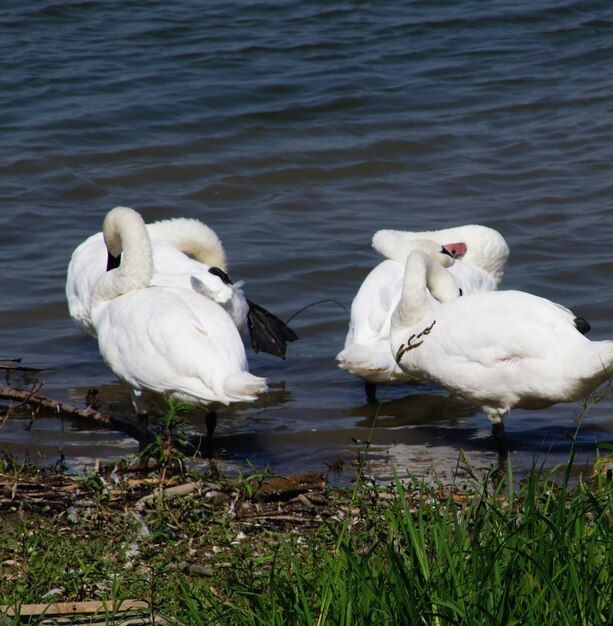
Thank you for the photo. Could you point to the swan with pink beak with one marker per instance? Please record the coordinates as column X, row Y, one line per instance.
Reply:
column 476, row 261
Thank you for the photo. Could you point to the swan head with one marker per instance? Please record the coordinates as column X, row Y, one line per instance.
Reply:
column 485, row 247
column 399, row 251
column 443, row 255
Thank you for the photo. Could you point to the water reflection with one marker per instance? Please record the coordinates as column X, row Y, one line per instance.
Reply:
column 410, row 410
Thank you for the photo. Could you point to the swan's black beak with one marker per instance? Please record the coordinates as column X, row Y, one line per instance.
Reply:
column 217, row 271
column 267, row 332
column 112, row 262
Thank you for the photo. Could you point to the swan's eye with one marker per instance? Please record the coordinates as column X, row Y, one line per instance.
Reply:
column 461, row 292
column 216, row 271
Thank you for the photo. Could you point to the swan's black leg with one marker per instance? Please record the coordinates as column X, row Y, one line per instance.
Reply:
column 501, row 442
column 371, row 391
column 211, row 422
column 142, row 425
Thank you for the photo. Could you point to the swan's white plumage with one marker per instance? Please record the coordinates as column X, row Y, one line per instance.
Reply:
column 181, row 248
column 498, row 349
column 167, row 340
column 366, row 352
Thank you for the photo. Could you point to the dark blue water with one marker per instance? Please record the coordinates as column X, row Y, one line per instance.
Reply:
column 296, row 130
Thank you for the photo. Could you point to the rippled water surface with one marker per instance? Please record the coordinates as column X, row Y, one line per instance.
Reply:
column 296, row 130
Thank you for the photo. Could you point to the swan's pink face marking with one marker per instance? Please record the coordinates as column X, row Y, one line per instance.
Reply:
column 456, row 250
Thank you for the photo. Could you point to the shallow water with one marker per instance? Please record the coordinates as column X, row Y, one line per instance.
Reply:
column 296, row 130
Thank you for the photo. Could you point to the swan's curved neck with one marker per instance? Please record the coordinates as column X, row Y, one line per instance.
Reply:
column 193, row 238
column 125, row 234
column 422, row 276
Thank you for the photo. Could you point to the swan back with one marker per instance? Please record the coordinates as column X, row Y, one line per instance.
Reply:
column 485, row 247
column 505, row 349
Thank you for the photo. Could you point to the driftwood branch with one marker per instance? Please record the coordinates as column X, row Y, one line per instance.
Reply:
column 59, row 609
column 19, row 368
column 35, row 400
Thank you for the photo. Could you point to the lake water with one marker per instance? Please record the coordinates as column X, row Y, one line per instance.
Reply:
column 296, row 130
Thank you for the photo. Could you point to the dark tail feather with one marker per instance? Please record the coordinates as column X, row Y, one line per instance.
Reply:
column 582, row 325
column 267, row 332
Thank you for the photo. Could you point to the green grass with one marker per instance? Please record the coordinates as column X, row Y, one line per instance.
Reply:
column 535, row 553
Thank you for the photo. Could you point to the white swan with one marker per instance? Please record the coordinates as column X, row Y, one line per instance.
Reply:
column 496, row 349
column 186, row 254
column 479, row 265
column 367, row 353
column 161, row 339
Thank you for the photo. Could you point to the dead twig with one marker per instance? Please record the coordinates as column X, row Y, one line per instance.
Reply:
column 404, row 348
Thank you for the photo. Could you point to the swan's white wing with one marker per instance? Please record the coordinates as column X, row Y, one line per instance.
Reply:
column 87, row 264
column 374, row 303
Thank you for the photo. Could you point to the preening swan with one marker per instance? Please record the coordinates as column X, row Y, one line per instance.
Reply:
column 186, row 254
column 367, row 351
column 479, row 265
column 479, row 268
column 166, row 340
column 496, row 349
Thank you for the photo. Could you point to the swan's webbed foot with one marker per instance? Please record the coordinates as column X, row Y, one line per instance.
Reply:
column 267, row 332
column 142, row 426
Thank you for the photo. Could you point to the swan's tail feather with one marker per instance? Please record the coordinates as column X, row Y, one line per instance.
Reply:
column 267, row 332
column 366, row 362
column 244, row 386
